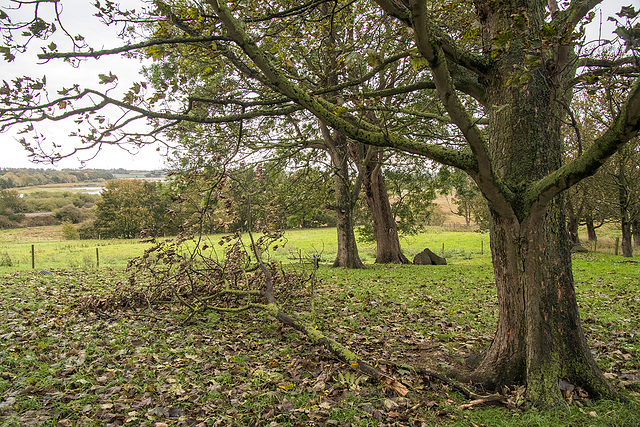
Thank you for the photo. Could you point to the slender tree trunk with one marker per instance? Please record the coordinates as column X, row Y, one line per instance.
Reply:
column 572, row 223
column 337, row 146
column 625, row 221
column 635, row 231
column 388, row 249
column 591, row 229
column 347, row 256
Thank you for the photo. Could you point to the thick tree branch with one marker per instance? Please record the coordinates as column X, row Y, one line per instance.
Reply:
column 428, row 46
column 328, row 112
column 608, row 63
column 402, row 11
column 590, row 75
column 129, row 48
column 571, row 16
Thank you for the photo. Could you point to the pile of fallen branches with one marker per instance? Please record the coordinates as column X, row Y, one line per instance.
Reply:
column 197, row 277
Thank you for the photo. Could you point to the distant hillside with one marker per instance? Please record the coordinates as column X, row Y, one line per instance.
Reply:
column 18, row 178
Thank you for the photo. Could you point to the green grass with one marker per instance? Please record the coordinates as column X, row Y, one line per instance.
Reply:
column 54, row 252
column 63, row 366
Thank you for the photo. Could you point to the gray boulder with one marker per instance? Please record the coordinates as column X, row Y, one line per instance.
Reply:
column 579, row 248
column 427, row 257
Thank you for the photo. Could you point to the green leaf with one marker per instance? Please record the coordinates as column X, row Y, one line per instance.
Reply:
column 628, row 12
column 105, row 79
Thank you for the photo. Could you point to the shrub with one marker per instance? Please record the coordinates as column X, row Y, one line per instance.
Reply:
column 69, row 213
column 6, row 222
column 39, row 221
column 69, row 231
column 5, row 260
column 87, row 230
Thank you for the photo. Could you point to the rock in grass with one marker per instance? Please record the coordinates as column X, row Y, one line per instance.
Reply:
column 426, row 257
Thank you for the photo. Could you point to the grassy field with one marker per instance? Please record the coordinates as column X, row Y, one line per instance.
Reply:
column 61, row 365
column 52, row 252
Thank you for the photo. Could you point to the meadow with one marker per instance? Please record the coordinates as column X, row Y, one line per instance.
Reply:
column 52, row 251
column 63, row 365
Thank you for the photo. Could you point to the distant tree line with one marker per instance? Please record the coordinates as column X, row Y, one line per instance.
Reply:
column 16, row 178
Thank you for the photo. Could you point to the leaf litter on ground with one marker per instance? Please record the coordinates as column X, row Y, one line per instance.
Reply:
column 61, row 366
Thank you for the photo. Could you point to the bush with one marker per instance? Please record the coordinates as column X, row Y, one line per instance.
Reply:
column 6, row 222
column 5, row 260
column 39, row 221
column 87, row 230
column 69, row 213
column 69, row 231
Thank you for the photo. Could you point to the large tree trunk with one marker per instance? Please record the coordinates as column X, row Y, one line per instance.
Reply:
column 388, row 249
column 539, row 338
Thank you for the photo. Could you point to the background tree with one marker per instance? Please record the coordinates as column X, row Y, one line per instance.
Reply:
column 11, row 208
column 465, row 194
column 411, row 191
column 127, row 207
column 611, row 195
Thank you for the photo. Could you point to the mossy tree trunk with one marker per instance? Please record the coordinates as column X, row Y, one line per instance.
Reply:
column 385, row 230
column 337, row 147
column 539, row 338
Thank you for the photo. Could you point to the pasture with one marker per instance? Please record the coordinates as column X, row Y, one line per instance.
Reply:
column 61, row 365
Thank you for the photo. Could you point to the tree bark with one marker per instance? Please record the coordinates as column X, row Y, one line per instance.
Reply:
column 539, row 338
column 591, row 229
column 347, row 255
column 388, row 249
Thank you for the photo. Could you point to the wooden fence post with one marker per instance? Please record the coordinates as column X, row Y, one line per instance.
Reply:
column 33, row 257
column 97, row 259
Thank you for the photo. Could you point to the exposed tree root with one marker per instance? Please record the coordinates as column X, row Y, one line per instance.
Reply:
column 452, row 383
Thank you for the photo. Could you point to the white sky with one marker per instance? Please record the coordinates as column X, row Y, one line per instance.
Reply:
column 78, row 19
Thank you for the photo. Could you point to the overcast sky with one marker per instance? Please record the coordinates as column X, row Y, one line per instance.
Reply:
column 79, row 20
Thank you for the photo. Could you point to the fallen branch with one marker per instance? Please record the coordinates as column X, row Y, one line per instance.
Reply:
column 317, row 337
